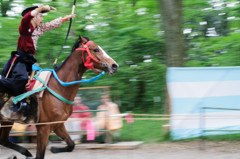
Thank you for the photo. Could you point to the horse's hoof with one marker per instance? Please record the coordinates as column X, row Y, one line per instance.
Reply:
column 12, row 157
column 54, row 150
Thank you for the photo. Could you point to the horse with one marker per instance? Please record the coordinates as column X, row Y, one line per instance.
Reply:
column 85, row 55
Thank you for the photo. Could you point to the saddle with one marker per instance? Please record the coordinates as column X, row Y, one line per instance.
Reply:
column 31, row 116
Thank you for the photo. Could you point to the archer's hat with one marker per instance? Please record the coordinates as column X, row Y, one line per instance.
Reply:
column 25, row 11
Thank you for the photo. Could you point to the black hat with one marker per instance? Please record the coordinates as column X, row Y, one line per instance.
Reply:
column 25, row 11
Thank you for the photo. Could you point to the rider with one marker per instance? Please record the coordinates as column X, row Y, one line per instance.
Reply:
column 14, row 76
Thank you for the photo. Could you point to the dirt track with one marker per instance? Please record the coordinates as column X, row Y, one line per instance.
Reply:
column 178, row 150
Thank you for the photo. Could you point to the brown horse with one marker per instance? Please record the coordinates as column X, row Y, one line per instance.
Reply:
column 52, row 109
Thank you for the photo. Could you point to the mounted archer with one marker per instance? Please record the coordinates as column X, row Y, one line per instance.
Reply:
column 55, row 103
column 14, row 76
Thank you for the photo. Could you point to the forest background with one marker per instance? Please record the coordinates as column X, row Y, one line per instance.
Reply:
column 140, row 36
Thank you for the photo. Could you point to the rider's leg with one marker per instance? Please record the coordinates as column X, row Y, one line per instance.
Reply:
column 21, row 79
column 15, row 83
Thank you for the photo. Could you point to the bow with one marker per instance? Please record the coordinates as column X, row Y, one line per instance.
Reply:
column 69, row 28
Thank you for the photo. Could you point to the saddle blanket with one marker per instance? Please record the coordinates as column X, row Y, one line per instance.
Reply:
column 35, row 84
column 44, row 75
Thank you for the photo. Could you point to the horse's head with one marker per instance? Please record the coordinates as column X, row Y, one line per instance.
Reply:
column 94, row 57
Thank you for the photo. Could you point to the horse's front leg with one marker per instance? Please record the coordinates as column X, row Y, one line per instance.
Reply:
column 43, row 132
column 4, row 140
column 61, row 131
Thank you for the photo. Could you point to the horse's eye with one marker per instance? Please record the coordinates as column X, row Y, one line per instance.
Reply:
column 96, row 50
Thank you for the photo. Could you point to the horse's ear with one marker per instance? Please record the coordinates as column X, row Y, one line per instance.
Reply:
column 83, row 40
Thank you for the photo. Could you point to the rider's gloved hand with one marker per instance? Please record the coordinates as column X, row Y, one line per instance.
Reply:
column 45, row 8
column 68, row 17
column 52, row 8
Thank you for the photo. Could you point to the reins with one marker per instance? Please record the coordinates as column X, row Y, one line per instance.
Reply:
column 36, row 68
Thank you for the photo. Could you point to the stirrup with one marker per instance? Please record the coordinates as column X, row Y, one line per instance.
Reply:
column 23, row 107
column 16, row 107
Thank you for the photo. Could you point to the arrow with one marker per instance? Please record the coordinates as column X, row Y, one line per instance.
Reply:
column 76, row 16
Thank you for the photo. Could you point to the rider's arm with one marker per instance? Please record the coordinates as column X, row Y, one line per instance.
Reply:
column 56, row 23
column 42, row 8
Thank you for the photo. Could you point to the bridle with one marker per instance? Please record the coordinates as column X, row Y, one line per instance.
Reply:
column 88, row 63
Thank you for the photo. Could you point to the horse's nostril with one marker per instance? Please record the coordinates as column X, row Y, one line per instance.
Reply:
column 114, row 66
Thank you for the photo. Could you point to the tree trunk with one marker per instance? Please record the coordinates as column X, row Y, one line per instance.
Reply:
column 171, row 13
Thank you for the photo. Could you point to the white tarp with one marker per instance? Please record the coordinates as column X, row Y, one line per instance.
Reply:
column 191, row 89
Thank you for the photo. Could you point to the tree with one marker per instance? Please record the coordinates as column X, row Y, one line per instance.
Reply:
column 171, row 11
column 5, row 6
column 213, row 39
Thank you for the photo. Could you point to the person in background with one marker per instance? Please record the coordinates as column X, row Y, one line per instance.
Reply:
column 14, row 76
column 17, row 127
column 108, row 118
column 78, row 125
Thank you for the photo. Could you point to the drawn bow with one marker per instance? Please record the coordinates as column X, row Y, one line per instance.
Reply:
column 69, row 28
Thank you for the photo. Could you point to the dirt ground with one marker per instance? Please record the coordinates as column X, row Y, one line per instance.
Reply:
column 168, row 150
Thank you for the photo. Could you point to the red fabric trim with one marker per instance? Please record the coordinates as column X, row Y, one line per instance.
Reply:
column 64, row 20
column 30, row 86
column 13, row 59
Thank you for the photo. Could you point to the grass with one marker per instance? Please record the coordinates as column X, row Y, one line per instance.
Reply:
column 151, row 131
column 228, row 137
column 148, row 131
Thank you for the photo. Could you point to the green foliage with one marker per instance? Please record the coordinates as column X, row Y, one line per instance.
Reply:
column 206, row 48
column 137, row 82
column 216, row 51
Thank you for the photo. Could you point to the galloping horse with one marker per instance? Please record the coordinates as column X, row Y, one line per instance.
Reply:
column 52, row 109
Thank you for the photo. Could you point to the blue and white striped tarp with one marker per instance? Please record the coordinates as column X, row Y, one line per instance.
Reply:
column 191, row 89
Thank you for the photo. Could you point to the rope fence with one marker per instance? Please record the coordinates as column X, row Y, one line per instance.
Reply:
column 160, row 117
column 129, row 116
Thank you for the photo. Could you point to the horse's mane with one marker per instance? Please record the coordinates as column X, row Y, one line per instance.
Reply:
column 76, row 45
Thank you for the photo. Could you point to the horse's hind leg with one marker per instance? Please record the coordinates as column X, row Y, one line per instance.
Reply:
column 4, row 140
column 61, row 131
